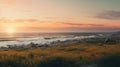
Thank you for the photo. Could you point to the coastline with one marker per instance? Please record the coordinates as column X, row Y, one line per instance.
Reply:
column 73, row 55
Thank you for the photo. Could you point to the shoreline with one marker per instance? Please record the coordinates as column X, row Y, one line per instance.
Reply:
column 44, row 42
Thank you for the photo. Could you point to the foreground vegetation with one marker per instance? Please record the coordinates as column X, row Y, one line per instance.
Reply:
column 74, row 55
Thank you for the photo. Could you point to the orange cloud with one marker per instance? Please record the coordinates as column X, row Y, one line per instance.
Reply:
column 3, row 20
column 26, row 20
column 37, row 24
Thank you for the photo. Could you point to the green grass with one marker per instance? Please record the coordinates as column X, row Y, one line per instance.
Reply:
column 74, row 55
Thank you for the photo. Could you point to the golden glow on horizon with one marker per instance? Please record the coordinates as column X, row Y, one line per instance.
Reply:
column 10, row 30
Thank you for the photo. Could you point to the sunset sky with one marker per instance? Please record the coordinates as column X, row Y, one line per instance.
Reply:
column 60, row 15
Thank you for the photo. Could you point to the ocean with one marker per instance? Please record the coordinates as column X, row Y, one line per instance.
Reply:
column 42, row 38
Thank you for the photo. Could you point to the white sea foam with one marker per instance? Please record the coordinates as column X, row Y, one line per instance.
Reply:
column 39, row 39
column 43, row 40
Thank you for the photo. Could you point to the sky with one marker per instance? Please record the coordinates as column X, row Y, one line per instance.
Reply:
column 59, row 15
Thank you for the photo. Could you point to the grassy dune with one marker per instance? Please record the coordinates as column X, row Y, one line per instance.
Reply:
column 74, row 55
